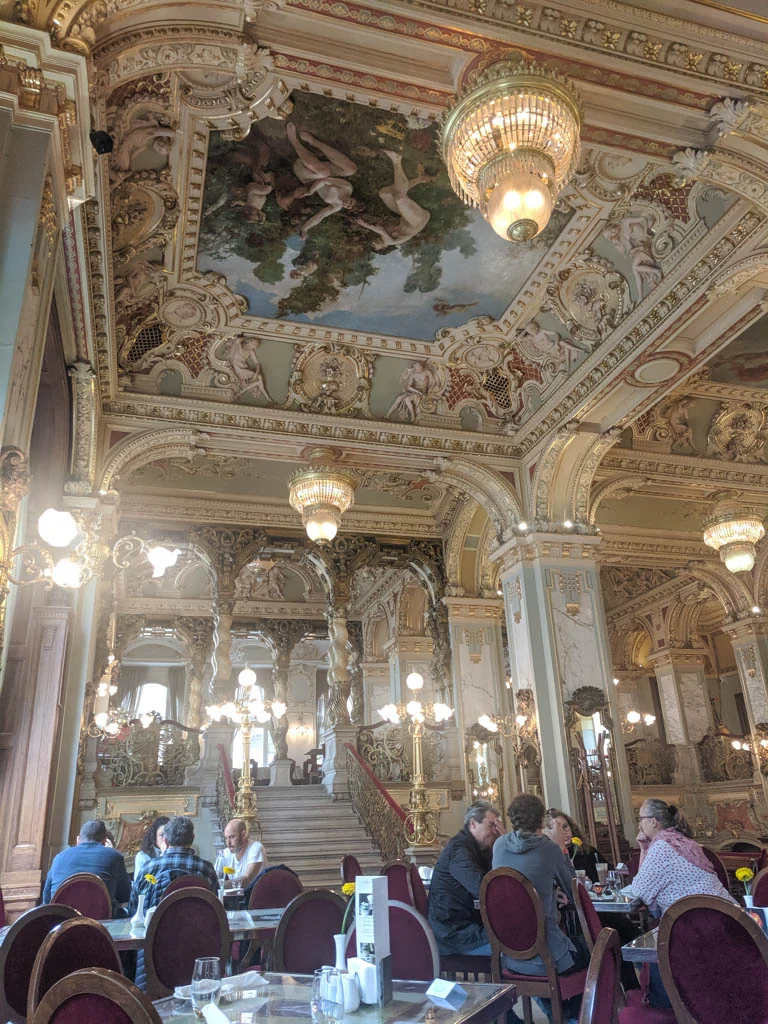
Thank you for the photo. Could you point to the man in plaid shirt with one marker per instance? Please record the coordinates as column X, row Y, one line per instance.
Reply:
column 178, row 860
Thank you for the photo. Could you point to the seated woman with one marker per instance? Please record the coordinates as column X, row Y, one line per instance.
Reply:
column 562, row 829
column 526, row 849
column 672, row 865
column 151, row 846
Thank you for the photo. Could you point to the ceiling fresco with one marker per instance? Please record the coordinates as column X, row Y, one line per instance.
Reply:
column 343, row 215
column 745, row 361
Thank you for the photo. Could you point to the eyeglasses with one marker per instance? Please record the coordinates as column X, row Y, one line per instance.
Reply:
column 646, row 817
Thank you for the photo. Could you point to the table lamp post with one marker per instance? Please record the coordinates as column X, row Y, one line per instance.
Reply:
column 420, row 825
column 246, row 711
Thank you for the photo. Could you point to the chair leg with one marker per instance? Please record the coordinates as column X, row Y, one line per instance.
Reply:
column 527, row 1010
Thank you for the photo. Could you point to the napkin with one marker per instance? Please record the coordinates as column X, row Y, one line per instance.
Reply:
column 237, row 982
column 213, row 1014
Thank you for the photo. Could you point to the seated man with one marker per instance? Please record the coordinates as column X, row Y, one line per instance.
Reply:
column 178, row 860
column 92, row 855
column 456, row 880
column 245, row 859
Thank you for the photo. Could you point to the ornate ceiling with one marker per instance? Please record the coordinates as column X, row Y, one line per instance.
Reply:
column 274, row 256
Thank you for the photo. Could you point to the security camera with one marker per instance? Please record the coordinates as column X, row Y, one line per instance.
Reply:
column 102, row 142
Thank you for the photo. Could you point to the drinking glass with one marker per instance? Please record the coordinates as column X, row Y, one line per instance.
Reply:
column 327, row 996
column 206, row 983
column 602, row 873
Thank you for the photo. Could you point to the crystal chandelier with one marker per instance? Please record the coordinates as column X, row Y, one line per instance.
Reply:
column 511, row 142
column 322, row 494
column 734, row 533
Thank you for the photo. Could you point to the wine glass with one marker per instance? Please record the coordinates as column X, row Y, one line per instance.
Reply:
column 206, row 983
column 327, row 996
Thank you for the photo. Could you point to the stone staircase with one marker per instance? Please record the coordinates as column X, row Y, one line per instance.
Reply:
column 303, row 828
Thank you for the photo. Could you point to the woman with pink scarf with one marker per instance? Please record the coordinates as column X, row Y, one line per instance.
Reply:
column 672, row 865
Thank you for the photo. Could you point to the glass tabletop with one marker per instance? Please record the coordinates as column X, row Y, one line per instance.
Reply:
column 642, row 950
column 287, row 997
column 242, row 923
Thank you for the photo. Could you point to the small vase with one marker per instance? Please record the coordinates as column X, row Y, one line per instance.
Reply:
column 341, row 952
column 748, row 900
column 137, row 921
column 351, row 988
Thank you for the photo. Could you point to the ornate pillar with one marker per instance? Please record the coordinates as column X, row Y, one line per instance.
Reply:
column 440, row 668
column 685, row 705
column 280, row 769
column 355, row 669
column 750, row 644
column 558, row 644
column 338, row 729
column 83, row 459
column 222, row 648
column 198, row 634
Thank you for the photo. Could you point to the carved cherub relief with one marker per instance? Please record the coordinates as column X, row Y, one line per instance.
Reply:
column 148, row 131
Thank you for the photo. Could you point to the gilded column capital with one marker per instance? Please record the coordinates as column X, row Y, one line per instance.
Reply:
column 556, row 543
column 474, row 608
column 679, row 657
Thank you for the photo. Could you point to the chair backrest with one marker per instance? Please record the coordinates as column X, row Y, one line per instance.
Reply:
column 72, row 946
column 590, row 922
column 719, row 867
column 304, row 937
column 276, row 888
column 398, row 878
column 17, row 956
column 760, row 888
column 186, row 925
column 633, row 863
column 602, row 996
column 86, row 893
column 514, row 920
column 414, row 949
column 420, row 898
column 95, row 996
column 713, row 959
column 2, row 910
column 350, row 868
column 186, row 882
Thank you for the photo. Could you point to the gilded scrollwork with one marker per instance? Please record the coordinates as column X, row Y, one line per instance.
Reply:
column 738, row 433
column 590, row 297
column 331, row 379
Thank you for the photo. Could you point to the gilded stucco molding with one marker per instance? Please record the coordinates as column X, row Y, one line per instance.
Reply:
column 616, row 488
column 147, row 446
column 454, row 546
column 487, row 487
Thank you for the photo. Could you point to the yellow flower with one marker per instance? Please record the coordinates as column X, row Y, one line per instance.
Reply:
column 348, row 888
column 575, row 841
column 229, row 871
column 745, row 874
column 151, row 879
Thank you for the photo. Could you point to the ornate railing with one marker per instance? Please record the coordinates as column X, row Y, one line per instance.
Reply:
column 388, row 752
column 154, row 755
column 651, row 763
column 380, row 814
column 720, row 761
column 225, row 789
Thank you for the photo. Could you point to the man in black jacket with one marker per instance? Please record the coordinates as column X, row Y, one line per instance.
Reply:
column 456, row 880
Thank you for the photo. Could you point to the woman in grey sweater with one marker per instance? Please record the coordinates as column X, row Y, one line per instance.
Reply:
column 534, row 855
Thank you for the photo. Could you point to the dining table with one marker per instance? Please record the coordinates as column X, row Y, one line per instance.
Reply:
column 642, row 950
column 287, row 997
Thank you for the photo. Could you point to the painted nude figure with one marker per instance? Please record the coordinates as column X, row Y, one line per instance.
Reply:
column 413, row 218
column 324, row 176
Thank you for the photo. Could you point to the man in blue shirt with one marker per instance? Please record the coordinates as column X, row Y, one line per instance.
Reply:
column 91, row 855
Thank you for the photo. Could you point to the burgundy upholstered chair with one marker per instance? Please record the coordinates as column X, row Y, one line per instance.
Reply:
column 398, row 878
column 602, row 993
column 455, row 967
column 95, row 996
column 585, row 908
column 719, row 867
column 713, row 959
column 86, row 893
column 514, row 921
column 350, row 868
column 276, row 888
column 413, row 946
column 304, row 936
column 420, row 900
column 17, row 956
column 2, row 910
column 186, row 882
column 72, row 946
column 186, row 925
column 633, row 863
column 760, row 889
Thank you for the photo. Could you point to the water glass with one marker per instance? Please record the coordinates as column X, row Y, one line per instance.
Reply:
column 602, row 872
column 327, row 996
column 206, row 983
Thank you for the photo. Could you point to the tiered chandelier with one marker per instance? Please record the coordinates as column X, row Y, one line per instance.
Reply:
column 511, row 142
column 322, row 493
column 734, row 532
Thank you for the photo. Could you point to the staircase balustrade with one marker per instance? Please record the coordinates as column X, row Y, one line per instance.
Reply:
column 381, row 816
column 156, row 754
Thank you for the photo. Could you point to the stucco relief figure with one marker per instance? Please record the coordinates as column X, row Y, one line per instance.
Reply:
column 545, row 346
column 420, row 384
column 145, row 133
column 324, row 176
column 632, row 235
column 675, row 412
column 413, row 218
column 240, row 353
column 139, row 279
column 256, row 582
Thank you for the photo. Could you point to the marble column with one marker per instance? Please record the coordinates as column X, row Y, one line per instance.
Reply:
column 280, row 768
column 750, row 644
column 685, row 705
column 558, row 644
column 377, row 689
column 222, row 651
column 338, row 728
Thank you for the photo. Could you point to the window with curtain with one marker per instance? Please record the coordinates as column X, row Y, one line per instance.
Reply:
column 151, row 697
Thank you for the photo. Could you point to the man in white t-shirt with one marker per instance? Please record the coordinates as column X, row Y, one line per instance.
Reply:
column 245, row 858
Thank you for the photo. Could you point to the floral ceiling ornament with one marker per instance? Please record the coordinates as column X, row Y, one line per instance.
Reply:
column 511, row 142
column 739, row 433
column 331, row 379
column 591, row 299
column 322, row 493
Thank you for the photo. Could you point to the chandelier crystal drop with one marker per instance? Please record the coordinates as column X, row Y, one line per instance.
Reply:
column 322, row 494
column 734, row 532
column 511, row 142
